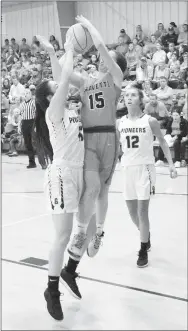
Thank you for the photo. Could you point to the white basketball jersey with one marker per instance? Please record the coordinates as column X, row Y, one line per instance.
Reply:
column 66, row 137
column 137, row 141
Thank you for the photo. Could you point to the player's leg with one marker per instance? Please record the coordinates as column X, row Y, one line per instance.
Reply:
column 91, row 189
column 145, row 184
column 63, row 201
column 108, row 152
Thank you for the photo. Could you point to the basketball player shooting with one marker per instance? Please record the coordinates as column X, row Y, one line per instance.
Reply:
column 98, row 116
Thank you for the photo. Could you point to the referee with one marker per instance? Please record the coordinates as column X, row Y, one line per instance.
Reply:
column 27, row 115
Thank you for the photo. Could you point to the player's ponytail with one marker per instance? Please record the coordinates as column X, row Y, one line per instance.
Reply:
column 42, row 133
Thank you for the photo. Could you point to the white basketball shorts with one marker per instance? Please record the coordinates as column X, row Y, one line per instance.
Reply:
column 139, row 182
column 63, row 188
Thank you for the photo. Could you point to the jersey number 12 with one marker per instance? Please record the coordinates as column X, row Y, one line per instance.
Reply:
column 96, row 100
column 132, row 141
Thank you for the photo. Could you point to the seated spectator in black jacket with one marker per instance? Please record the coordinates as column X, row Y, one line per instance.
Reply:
column 177, row 131
column 170, row 37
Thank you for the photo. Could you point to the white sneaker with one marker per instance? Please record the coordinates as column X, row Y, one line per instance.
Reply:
column 94, row 245
column 159, row 163
column 177, row 164
column 76, row 246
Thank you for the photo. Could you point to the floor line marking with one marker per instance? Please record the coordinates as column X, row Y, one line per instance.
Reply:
column 113, row 192
column 104, row 282
column 24, row 220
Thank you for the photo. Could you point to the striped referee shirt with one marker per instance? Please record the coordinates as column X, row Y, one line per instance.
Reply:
column 28, row 110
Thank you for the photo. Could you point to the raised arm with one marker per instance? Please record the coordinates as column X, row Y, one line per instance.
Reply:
column 57, row 65
column 57, row 105
column 103, row 51
column 155, row 127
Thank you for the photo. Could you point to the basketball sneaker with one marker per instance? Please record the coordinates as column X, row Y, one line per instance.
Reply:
column 69, row 281
column 76, row 247
column 53, row 304
column 142, row 256
column 94, row 245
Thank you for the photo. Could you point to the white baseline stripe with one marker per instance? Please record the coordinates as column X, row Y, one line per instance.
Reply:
column 24, row 220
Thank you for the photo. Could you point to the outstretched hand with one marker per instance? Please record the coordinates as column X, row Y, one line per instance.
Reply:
column 84, row 21
column 46, row 44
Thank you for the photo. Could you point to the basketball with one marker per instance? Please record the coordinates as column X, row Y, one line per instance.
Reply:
column 81, row 38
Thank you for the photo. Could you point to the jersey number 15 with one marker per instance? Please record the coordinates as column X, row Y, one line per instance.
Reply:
column 96, row 100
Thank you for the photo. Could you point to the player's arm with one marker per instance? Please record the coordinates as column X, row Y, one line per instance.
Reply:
column 155, row 127
column 57, row 105
column 57, row 65
column 103, row 51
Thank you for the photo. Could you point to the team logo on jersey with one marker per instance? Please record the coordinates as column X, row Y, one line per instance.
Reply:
column 74, row 119
column 97, row 86
column 133, row 130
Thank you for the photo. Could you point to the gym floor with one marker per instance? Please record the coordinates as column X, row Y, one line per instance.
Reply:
column 116, row 294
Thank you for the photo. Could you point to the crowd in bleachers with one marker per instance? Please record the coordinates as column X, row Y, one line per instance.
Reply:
column 157, row 63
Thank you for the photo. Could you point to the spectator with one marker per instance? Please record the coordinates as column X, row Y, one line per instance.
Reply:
column 93, row 72
column 164, row 92
column 122, row 46
column 33, row 90
column 137, row 48
column 4, row 74
column 161, row 70
column 14, row 46
column 56, row 47
column 132, row 61
column 160, row 55
column 182, row 50
column 184, row 64
column 24, row 76
column 170, row 37
column 174, row 104
column 147, row 91
column 80, row 69
column 24, row 47
column 4, row 103
column 94, row 60
column 160, row 31
column 6, row 86
column 172, row 49
column 17, row 64
column 174, row 62
column 17, row 90
column 53, row 41
column 10, row 58
column 150, row 46
column 157, row 109
column 27, row 114
column 125, row 37
column 183, row 36
column 140, row 36
column 144, row 71
column 174, row 26
column 181, row 102
column 5, row 48
column 177, row 129
column 26, row 63
column 185, row 110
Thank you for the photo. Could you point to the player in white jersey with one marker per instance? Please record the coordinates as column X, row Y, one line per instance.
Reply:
column 64, row 177
column 136, row 136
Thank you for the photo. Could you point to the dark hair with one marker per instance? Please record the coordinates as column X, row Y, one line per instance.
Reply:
column 6, row 40
column 24, row 39
column 121, row 61
column 42, row 132
column 13, row 39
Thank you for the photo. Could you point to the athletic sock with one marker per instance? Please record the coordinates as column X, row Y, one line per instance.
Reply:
column 53, row 283
column 100, row 229
column 81, row 228
column 71, row 266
